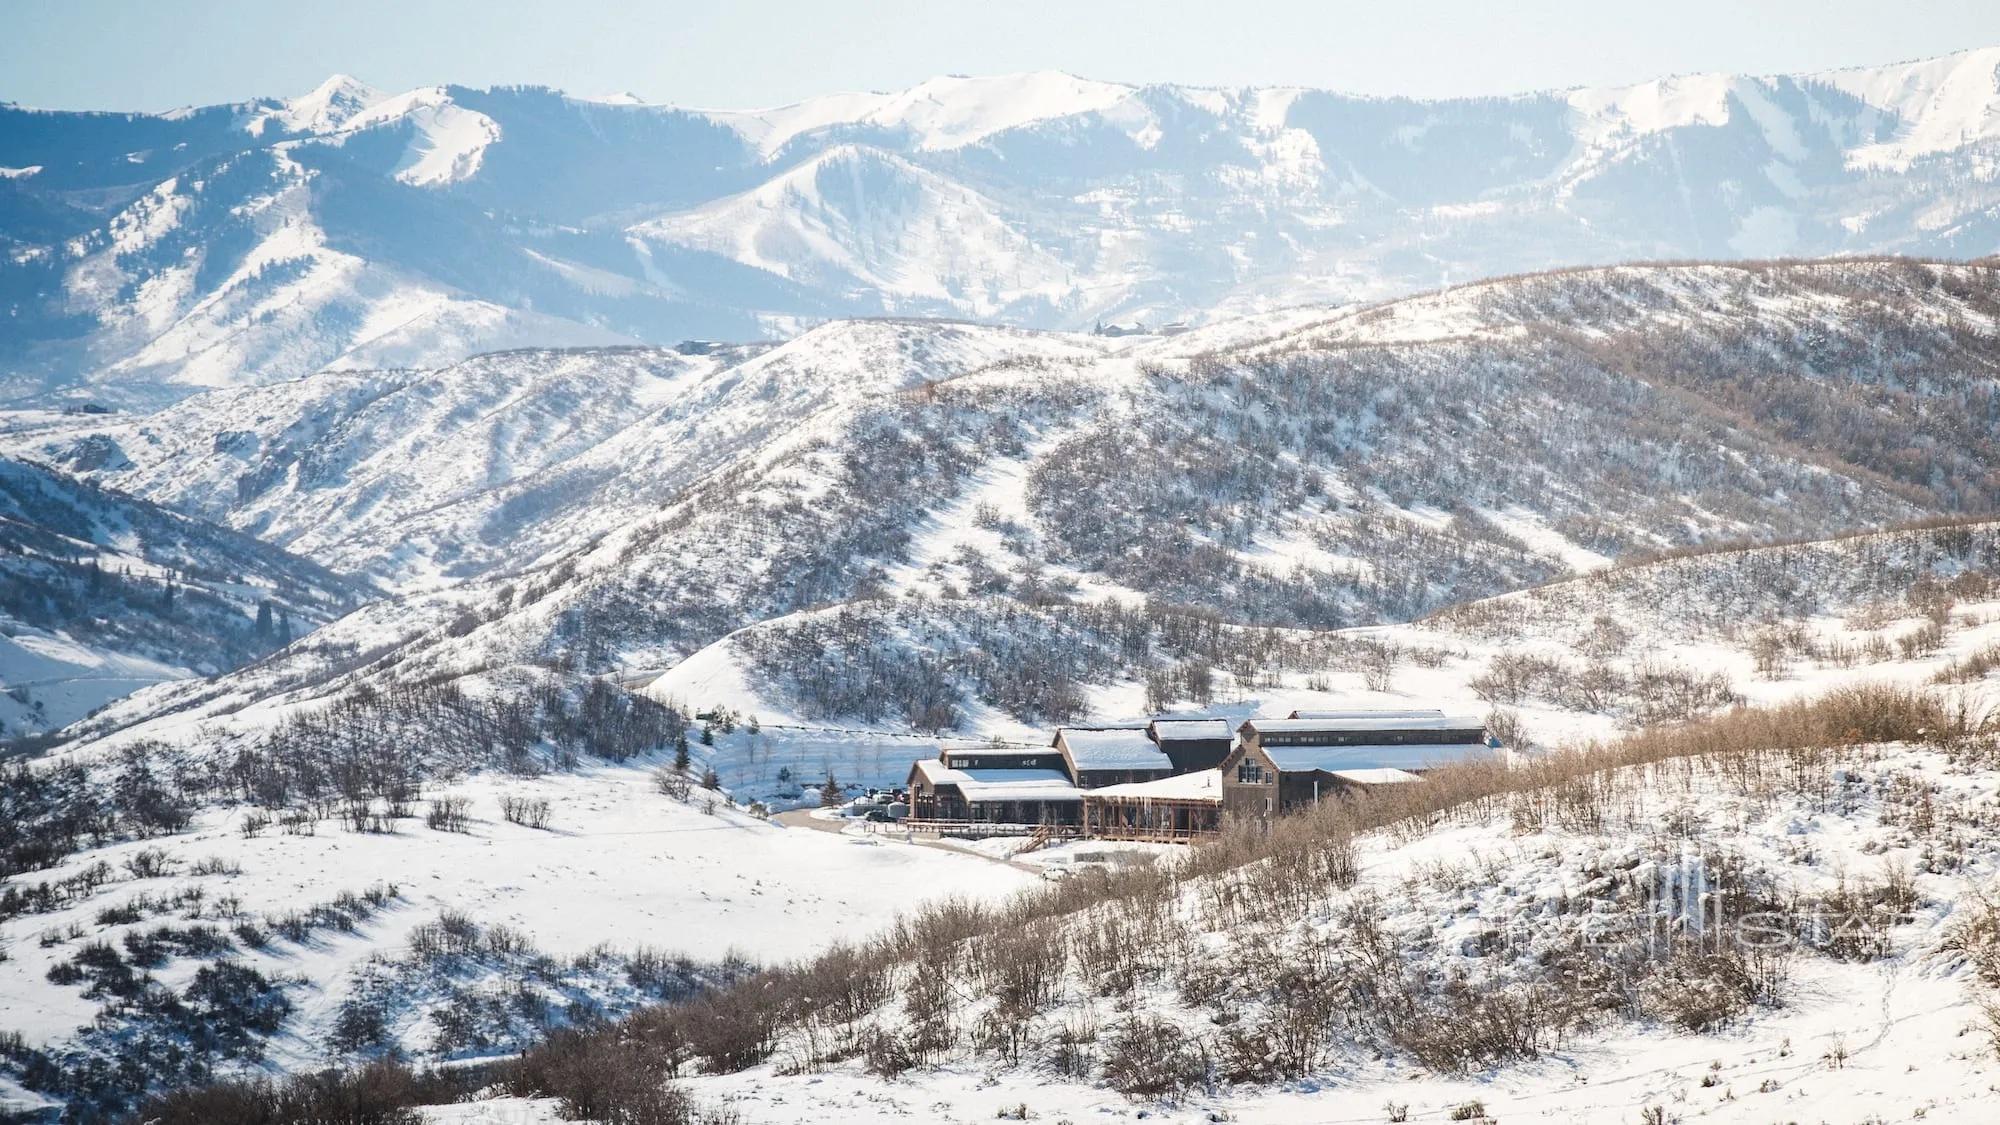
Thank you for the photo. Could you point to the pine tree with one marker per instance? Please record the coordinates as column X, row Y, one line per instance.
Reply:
column 710, row 779
column 284, row 629
column 707, row 735
column 264, row 619
column 829, row 793
column 681, row 757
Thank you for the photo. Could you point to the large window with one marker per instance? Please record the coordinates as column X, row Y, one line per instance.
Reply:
column 1250, row 773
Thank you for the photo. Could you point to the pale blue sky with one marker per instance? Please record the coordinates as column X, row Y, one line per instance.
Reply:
column 157, row 54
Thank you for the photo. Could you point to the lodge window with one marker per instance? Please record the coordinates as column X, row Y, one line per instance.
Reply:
column 1250, row 773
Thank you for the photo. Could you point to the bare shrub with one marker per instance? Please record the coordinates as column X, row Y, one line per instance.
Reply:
column 601, row 1078
column 1925, row 640
column 1150, row 1058
column 528, row 812
column 672, row 783
column 449, row 814
column 1973, row 666
column 1699, row 990
column 1504, row 724
column 1472, row 1030
column 151, row 863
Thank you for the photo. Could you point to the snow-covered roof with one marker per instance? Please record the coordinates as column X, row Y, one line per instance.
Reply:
column 1121, row 748
column 1365, row 713
column 985, row 751
column 1201, row 785
column 1366, row 721
column 1001, row 784
column 1382, row 776
column 1180, row 729
column 1333, row 759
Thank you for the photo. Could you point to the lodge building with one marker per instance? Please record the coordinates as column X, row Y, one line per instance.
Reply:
column 1179, row 779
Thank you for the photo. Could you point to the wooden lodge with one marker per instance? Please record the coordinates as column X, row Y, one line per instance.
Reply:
column 1318, row 754
column 1176, row 780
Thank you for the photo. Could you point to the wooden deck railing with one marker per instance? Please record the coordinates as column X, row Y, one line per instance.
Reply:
column 979, row 828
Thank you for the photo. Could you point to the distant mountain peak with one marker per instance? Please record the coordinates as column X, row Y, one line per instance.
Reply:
column 265, row 240
column 945, row 112
column 327, row 108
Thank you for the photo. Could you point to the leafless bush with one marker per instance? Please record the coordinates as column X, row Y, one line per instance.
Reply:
column 596, row 1078
column 1504, row 724
column 449, row 814
column 1925, row 640
column 672, row 783
column 529, row 812
column 1378, row 668
column 1699, row 990
column 1973, row 666
column 1472, row 1029
column 1149, row 1057
column 151, row 863
column 737, row 1030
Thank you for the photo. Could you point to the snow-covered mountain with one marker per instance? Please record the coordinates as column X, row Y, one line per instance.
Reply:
column 985, row 511
column 148, row 254
column 102, row 593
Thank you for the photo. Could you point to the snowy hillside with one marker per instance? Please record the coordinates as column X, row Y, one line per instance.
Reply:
column 147, row 255
column 1517, row 960
column 102, row 594
column 999, row 515
column 441, row 936
column 1782, row 914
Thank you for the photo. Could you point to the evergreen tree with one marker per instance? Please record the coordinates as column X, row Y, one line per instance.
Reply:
column 284, row 629
column 264, row 619
column 710, row 779
column 681, row 751
column 829, row 793
column 707, row 735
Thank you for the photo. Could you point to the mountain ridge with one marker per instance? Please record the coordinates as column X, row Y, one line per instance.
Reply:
column 1303, row 471
column 149, row 255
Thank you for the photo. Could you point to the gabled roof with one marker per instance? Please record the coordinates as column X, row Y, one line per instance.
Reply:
column 1188, row 729
column 1017, row 785
column 1112, row 748
column 1333, row 759
column 1001, row 784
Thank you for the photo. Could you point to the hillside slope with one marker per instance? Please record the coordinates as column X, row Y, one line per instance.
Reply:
column 102, row 593
column 978, row 492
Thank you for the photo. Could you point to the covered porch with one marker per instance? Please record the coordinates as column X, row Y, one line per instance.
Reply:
column 1171, row 810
